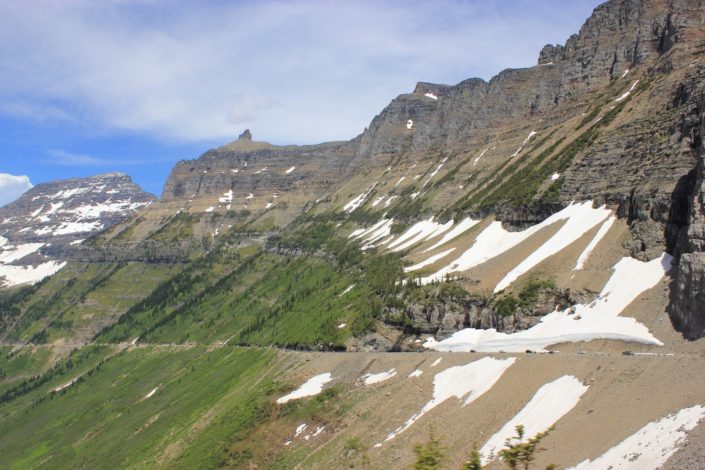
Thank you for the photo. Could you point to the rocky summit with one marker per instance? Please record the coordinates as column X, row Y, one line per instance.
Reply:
column 489, row 268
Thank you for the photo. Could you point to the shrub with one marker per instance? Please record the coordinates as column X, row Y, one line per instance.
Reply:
column 429, row 456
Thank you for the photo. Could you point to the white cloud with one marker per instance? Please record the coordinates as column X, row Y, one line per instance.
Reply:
column 12, row 187
column 64, row 158
column 293, row 72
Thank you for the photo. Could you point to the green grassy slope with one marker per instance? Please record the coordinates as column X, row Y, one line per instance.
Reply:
column 204, row 402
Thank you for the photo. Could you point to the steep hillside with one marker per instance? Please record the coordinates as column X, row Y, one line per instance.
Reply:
column 543, row 227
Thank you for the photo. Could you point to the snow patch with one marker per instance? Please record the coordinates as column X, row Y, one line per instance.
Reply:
column 435, row 172
column 420, row 231
column 480, row 156
column 371, row 379
column 313, row 386
column 290, row 170
column 400, row 180
column 555, row 176
column 409, row 124
column 379, row 230
column 437, row 361
column 430, row 260
column 604, row 228
column 582, row 322
column 347, row 289
column 550, row 403
column 495, row 240
column 470, row 381
column 581, row 218
column 431, row 95
column 651, row 446
column 19, row 252
column 416, row 373
column 526, row 141
column 625, row 95
column 78, row 227
column 210, row 209
column 342, row 325
column 462, row 227
column 301, row 428
column 357, row 201
column 150, row 394
column 226, row 198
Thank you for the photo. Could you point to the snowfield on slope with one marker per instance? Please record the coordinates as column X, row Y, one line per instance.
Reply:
column 459, row 229
column 420, row 231
column 470, row 382
column 428, row 261
column 550, row 403
column 313, row 386
column 16, row 275
column 371, row 379
column 651, row 446
column 494, row 240
column 583, row 322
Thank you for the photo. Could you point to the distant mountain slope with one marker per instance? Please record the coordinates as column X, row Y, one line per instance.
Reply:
column 53, row 216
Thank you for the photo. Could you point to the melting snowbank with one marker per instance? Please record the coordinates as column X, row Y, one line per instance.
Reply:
column 604, row 228
column 495, row 240
column 420, row 231
column 19, row 252
column 16, row 275
column 580, row 218
column 370, row 379
column 470, row 381
column 313, row 386
column 651, row 446
column 462, row 227
column 583, row 322
column 550, row 403
column 226, row 197
column 358, row 201
column 428, row 261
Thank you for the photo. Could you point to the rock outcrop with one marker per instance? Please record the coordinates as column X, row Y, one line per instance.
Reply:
column 252, row 169
column 687, row 307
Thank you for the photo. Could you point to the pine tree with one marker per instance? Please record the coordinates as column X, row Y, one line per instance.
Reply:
column 519, row 454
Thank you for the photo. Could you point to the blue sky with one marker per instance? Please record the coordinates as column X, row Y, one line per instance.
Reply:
column 136, row 85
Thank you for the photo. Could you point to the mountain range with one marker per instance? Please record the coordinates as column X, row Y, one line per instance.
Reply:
column 535, row 240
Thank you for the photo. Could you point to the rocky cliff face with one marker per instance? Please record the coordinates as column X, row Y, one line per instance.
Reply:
column 256, row 175
column 636, row 64
column 688, row 290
